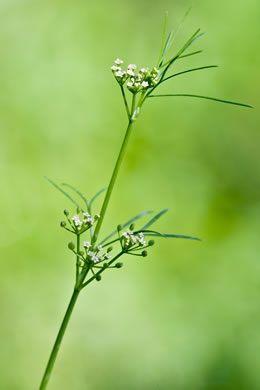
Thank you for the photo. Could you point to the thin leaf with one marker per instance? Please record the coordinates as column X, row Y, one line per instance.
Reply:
column 190, row 54
column 163, row 37
column 204, row 97
column 154, row 219
column 189, row 42
column 166, row 46
column 63, row 192
column 172, row 36
column 96, row 196
column 190, row 70
column 77, row 192
column 172, row 236
column 132, row 220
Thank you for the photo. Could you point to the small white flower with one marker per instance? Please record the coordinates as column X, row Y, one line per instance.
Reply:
column 107, row 256
column 129, row 231
column 143, row 70
column 99, row 256
column 129, row 84
column 119, row 73
column 118, row 61
column 87, row 244
column 131, row 66
column 130, row 72
column 97, row 216
column 145, row 84
column 139, row 77
column 94, row 259
column 100, row 247
column 86, row 214
column 114, row 68
column 91, row 254
column 75, row 217
column 137, row 84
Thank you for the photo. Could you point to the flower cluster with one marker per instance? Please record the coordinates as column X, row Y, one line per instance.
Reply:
column 130, row 239
column 94, row 254
column 136, row 81
column 80, row 224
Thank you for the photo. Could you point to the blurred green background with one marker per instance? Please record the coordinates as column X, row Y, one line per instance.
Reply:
column 188, row 316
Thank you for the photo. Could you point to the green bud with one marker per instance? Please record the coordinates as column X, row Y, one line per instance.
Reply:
column 119, row 265
column 109, row 249
column 119, row 227
column 63, row 224
column 81, row 253
column 66, row 212
column 144, row 253
column 105, row 265
column 71, row 245
column 132, row 226
column 151, row 242
column 98, row 278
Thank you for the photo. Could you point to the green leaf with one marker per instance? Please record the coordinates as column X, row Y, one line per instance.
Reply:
column 132, row 220
column 172, row 36
column 189, row 42
column 154, row 219
column 190, row 70
column 96, row 196
column 163, row 37
column 204, row 97
column 190, row 54
column 172, row 236
column 63, row 192
column 77, row 192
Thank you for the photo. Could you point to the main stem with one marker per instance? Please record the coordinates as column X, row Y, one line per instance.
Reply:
column 58, row 340
column 81, row 277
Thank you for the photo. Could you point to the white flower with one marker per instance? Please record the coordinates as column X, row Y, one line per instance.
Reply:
column 119, row 73
column 118, row 61
column 94, row 259
column 130, row 72
column 107, row 256
column 143, row 70
column 129, row 84
column 139, row 77
column 131, row 66
column 137, row 84
column 91, row 254
column 75, row 217
column 86, row 214
column 145, row 84
column 114, row 68
column 100, row 247
column 129, row 231
column 97, row 216
column 99, row 256
column 87, row 244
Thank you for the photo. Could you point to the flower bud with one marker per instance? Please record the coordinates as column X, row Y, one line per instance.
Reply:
column 132, row 226
column 119, row 227
column 98, row 278
column 105, row 265
column 66, row 212
column 81, row 253
column 119, row 265
column 63, row 224
column 144, row 253
column 71, row 245
column 109, row 249
column 151, row 242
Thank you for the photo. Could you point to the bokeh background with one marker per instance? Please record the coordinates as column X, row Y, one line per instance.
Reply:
column 188, row 316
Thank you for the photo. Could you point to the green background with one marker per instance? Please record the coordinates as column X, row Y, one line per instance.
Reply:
column 188, row 316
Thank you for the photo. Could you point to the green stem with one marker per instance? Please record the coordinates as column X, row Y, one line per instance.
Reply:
column 114, row 174
column 125, row 101
column 77, row 259
column 58, row 340
column 81, row 276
